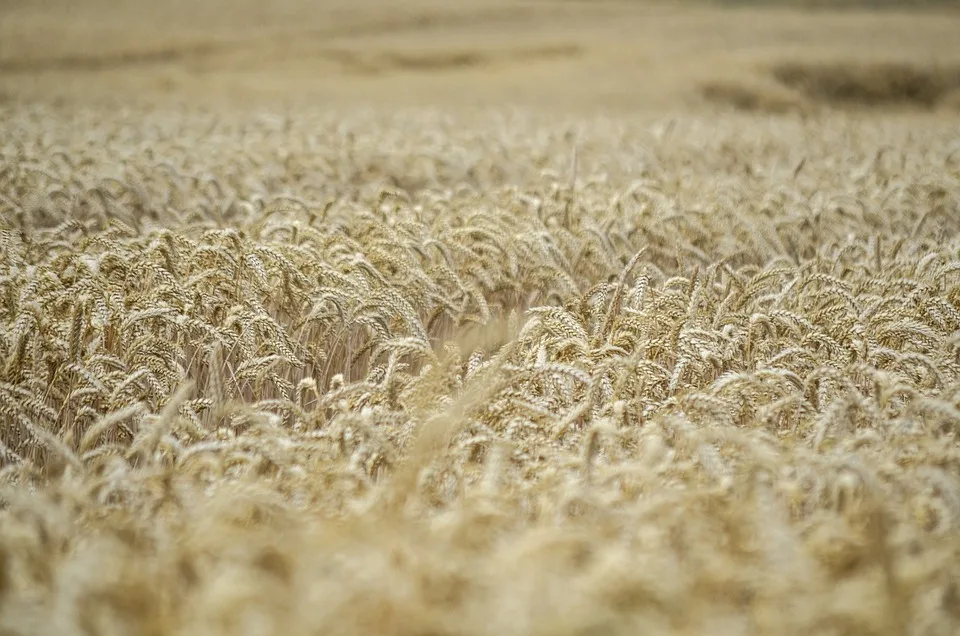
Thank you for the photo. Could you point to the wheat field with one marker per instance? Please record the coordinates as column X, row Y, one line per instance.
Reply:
column 443, row 353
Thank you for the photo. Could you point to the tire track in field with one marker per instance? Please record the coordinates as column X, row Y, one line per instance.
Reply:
column 197, row 51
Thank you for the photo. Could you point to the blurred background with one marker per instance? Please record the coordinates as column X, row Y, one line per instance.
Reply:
column 563, row 55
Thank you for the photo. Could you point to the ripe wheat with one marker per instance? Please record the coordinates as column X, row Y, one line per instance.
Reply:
column 398, row 374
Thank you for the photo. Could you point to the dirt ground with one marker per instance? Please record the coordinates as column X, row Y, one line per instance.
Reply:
column 566, row 56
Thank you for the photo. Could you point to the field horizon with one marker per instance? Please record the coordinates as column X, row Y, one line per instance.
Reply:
column 562, row 56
